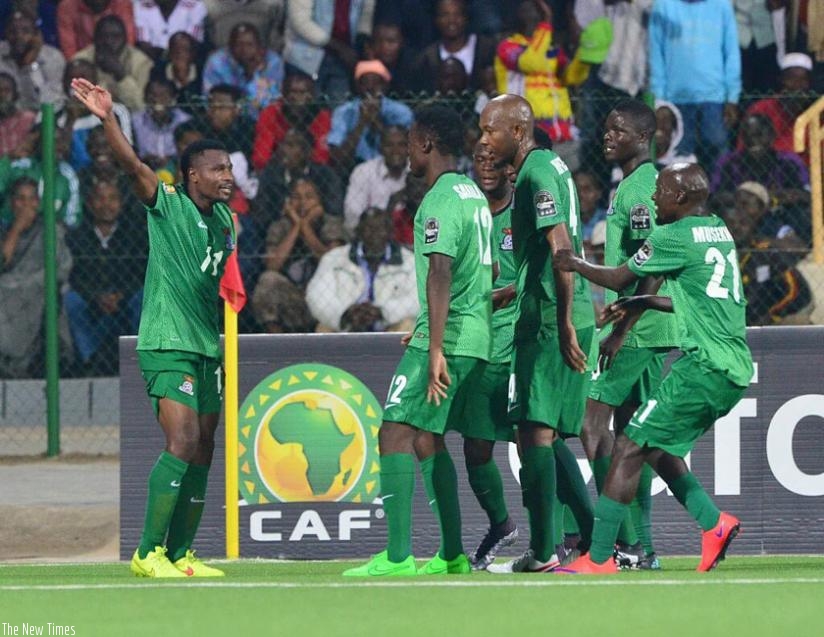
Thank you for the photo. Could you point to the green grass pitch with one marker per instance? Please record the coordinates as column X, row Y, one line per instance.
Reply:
column 745, row 596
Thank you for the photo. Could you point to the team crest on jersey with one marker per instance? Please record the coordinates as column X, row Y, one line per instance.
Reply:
column 187, row 386
column 644, row 254
column 506, row 242
column 610, row 210
column 545, row 204
column 230, row 242
column 169, row 189
column 639, row 217
column 431, row 229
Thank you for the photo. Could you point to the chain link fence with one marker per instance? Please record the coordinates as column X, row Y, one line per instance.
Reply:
column 317, row 190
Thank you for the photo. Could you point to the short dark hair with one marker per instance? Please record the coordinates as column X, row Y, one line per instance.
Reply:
column 641, row 115
column 20, row 182
column 189, row 126
column 443, row 125
column 227, row 89
column 160, row 81
column 305, row 136
column 193, row 150
column 542, row 138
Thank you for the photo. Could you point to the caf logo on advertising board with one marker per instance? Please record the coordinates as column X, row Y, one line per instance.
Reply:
column 309, row 433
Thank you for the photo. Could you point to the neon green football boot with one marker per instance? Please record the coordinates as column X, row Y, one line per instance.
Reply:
column 438, row 566
column 191, row 566
column 380, row 565
column 155, row 564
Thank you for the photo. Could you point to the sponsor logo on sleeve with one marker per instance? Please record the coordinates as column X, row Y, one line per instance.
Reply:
column 431, row 229
column 639, row 217
column 545, row 204
column 643, row 255
column 169, row 189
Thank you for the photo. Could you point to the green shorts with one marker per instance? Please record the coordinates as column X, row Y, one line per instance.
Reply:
column 543, row 389
column 480, row 409
column 184, row 377
column 406, row 400
column 633, row 376
column 688, row 402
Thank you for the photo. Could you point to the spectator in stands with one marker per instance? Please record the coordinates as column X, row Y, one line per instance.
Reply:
column 77, row 118
column 357, row 124
column 154, row 126
column 793, row 99
column 106, row 283
column 452, row 88
column 37, row 68
column 103, row 167
column 298, row 107
column 321, row 40
column 224, row 15
column 224, row 119
column 373, row 182
column 280, row 307
column 776, row 291
column 25, row 161
column 367, row 285
column 180, row 66
column 123, row 69
column 290, row 163
column 528, row 63
column 695, row 63
column 387, row 45
column 415, row 17
column 157, row 20
column 783, row 174
column 669, row 130
column 22, row 278
column 248, row 65
column 476, row 52
column 590, row 197
column 77, row 19
column 45, row 12
column 402, row 207
column 302, row 235
column 756, row 38
column 15, row 123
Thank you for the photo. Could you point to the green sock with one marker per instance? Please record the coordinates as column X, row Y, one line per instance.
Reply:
column 609, row 514
column 445, row 483
column 397, row 487
column 641, row 509
column 689, row 492
column 486, row 483
column 570, row 524
column 572, row 490
column 558, row 522
column 538, row 488
column 600, row 468
column 165, row 481
column 188, row 511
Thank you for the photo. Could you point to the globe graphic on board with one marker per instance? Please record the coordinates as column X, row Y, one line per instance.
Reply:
column 310, row 447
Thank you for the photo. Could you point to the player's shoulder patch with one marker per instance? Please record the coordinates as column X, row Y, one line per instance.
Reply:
column 431, row 230
column 544, row 204
column 169, row 189
column 644, row 254
column 639, row 217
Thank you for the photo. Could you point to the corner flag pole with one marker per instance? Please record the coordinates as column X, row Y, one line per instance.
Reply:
column 231, row 417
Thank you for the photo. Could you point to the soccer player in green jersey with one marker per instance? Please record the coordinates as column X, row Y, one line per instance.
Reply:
column 631, row 357
column 555, row 324
column 450, row 341
column 694, row 250
column 191, row 234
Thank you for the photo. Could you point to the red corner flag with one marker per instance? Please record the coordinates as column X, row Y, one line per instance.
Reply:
column 231, row 285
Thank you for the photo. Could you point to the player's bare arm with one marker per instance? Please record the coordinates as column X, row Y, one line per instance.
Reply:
column 99, row 102
column 558, row 238
column 613, row 278
column 502, row 297
column 438, row 282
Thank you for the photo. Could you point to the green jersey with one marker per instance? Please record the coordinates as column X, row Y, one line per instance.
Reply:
column 503, row 320
column 187, row 254
column 697, row 254
column 66, row 188
column 453, row 219
column 545, row 196
column 630, row 220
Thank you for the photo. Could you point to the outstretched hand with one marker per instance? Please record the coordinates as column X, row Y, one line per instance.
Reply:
column 626, row 305
column 97, row 99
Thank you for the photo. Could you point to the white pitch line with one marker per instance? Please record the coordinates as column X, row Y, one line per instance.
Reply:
column 492, row 583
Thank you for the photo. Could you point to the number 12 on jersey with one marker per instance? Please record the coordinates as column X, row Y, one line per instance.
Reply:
column 483, row 225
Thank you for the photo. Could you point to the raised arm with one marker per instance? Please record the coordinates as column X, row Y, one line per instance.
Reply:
column 99, row 101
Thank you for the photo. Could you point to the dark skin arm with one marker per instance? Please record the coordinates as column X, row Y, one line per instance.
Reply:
column 501, row 297
column 558, row 238
column 438, row 282
column 635, row 306
column 613, row 278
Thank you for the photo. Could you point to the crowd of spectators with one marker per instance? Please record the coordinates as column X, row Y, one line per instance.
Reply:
column 313, row 99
